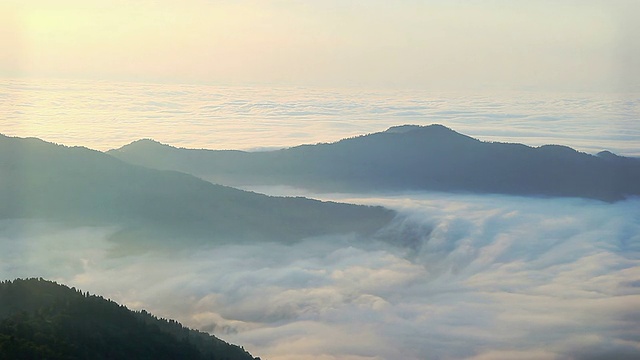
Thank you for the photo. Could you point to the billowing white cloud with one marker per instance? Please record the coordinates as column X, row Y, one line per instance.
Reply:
column 479, row 277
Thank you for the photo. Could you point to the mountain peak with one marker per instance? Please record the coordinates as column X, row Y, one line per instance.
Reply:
column 434, row 133
column 401, row 129
column 145, row 142
column 606, row 154
column 407, row 128
column 414, row 157
column 141, row 144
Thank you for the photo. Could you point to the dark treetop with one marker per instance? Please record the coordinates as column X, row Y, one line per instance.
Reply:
column 40, row 319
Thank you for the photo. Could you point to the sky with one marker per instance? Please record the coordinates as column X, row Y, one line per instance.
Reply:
column 568, row 45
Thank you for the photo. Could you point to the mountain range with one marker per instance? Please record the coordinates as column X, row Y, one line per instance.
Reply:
column 41, row 319
column 406, row 158
column 79, row 186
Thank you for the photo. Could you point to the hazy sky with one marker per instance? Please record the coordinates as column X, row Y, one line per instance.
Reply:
column 587, row 45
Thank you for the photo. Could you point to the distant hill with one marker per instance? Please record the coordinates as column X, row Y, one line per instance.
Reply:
column 407, row 157
column 80, row 186
column 41, row 319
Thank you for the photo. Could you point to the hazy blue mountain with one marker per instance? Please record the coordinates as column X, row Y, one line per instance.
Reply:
column 407, row 157
column 81, row 186
column 40, row 319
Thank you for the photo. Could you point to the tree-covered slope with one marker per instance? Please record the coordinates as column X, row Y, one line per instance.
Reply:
column 77, row 185
column 40, row 319
column 407, row 158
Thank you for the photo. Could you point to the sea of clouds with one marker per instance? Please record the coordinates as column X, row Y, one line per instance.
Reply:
column 453, row 277
column 105, row 115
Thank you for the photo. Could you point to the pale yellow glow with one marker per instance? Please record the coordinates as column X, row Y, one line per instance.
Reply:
column 328, row 43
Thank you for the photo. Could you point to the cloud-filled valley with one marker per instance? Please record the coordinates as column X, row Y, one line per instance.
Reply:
column 453, row 276
column 484, row 277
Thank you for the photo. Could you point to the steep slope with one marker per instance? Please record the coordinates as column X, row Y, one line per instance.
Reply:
column 81, row 186
column 407, row 158
column 40, row 319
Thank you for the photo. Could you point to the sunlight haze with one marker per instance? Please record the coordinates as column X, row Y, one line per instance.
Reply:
column 462, row 45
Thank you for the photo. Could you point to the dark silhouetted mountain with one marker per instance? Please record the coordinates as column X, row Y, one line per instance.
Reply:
column 40, row 319
column 81, row 186
column 407, row 157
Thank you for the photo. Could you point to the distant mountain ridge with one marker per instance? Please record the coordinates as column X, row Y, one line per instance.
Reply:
column 407, row 157
column 40, row 319
column 40, row 180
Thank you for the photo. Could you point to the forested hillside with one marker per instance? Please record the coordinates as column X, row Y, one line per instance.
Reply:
column 41, row 180
column 408, row 157
column 40, row 319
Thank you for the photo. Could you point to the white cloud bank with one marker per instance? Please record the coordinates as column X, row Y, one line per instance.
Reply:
column 105, row 115
column 478, row 277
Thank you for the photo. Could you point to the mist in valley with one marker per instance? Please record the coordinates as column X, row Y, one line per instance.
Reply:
column 452, row 276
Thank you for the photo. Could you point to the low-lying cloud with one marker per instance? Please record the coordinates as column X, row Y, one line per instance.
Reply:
column 478, row 277
column 214, row 117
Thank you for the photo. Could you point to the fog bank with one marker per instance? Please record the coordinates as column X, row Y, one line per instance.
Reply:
column 479, row 277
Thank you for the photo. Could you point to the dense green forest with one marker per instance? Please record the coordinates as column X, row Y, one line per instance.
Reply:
column 41, row 319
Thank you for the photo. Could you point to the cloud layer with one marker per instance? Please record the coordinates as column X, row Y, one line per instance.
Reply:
column 108, row 115
column 480, row 277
